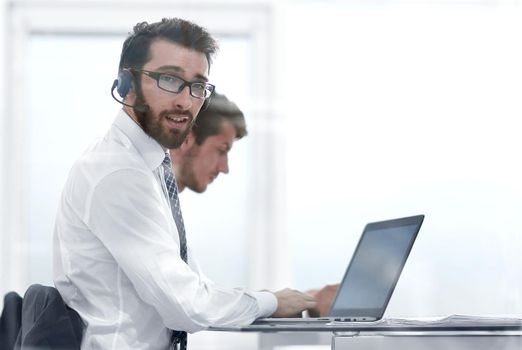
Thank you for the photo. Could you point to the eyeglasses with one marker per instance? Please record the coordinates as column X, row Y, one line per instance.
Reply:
column 174, row 84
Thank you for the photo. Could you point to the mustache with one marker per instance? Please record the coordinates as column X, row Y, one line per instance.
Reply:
column 177, row 112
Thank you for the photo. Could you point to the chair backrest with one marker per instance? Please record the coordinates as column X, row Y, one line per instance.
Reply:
column 10, row 320
column 41, row 320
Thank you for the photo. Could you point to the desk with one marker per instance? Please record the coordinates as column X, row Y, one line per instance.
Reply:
column 428, row 341
column 451, row 333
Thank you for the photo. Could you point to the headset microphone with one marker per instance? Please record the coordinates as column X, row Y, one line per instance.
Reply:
column 139, row 108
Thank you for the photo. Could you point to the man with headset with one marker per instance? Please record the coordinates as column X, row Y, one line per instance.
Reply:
column 120, row 253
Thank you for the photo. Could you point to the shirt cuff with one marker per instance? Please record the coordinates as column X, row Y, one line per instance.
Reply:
column 267, row 303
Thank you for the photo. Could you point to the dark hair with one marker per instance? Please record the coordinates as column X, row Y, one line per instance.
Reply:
column 210, row 120
column 135, row 51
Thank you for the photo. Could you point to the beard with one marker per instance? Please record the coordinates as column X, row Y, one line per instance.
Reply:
column 151, row 124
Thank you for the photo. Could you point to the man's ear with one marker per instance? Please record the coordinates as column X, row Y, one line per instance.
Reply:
column 131, row 95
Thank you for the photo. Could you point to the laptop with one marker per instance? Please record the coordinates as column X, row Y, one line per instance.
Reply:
column 371, row 276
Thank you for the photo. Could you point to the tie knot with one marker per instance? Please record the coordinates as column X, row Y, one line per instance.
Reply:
column 166, row 160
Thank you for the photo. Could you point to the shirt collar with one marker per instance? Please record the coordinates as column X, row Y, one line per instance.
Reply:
column 151, row 151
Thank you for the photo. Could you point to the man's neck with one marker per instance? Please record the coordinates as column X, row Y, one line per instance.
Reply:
column 176, row 158
column 181, row 187
column 177, row 175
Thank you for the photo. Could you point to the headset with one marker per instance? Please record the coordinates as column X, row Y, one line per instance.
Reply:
column 123, row 83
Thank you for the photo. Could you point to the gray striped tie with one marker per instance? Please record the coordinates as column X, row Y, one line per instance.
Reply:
column 178, row 337
column 170, row 181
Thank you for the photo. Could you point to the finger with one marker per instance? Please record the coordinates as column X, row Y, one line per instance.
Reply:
column 307, row 305
column 308, row 297
column 310, row 305
column 304, row 295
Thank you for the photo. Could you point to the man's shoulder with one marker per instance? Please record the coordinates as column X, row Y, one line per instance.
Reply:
column 107, row 156
column 107, row 167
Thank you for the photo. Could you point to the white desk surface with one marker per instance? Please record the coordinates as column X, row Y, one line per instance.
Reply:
column 451, row 333
column 455, row 323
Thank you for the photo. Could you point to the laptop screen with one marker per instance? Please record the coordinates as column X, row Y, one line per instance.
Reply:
column 375, row 267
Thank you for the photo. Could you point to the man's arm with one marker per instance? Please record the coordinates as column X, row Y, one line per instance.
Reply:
column 136, row 232
column 136, row 226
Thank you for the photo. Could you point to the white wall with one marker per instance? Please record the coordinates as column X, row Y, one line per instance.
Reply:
column 398, row 109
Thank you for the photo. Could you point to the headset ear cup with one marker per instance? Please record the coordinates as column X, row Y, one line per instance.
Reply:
column 124, row 83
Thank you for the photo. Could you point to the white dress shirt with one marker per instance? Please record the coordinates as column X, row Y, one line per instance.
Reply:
column 116, row 252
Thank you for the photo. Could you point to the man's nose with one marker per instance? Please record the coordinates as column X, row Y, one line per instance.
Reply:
column 223, row 165
column 183, row 99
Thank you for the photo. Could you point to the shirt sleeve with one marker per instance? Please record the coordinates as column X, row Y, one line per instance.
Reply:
column 266, row 301
column 128, row 214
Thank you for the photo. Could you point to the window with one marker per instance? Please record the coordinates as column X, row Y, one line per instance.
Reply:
column 63, row 70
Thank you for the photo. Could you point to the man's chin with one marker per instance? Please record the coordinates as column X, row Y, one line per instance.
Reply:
column 198, row 188
column 173, row 141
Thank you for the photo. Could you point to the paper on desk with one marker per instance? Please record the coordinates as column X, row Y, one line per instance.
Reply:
column 456, row 320
column 452, row 320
